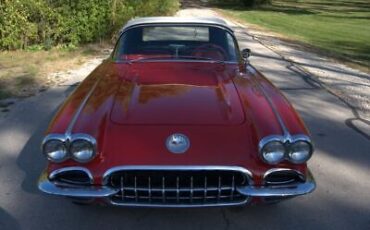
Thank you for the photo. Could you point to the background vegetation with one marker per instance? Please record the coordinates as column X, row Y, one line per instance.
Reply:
column 338, row 28
column 248, row 3
column 42, row 24
column 39, row 37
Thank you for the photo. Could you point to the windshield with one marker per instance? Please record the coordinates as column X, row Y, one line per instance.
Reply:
column 148, row 43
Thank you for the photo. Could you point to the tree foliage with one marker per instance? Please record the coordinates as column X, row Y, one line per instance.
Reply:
column 255, row 2
column 247, row 3
column 25, row 23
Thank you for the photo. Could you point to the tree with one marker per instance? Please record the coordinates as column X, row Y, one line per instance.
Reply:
column 255, row 2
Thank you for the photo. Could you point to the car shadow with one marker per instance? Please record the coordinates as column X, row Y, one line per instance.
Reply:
column 30, row 160
column 8, row 222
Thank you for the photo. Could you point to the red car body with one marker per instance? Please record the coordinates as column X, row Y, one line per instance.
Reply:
column 131, row 108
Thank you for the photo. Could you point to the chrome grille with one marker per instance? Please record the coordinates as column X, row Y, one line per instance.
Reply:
column 177, row 187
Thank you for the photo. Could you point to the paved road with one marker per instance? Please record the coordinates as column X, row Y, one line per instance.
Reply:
column 341, row 165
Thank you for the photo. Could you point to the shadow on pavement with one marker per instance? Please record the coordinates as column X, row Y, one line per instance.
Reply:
column 7, row 222
column 30, row 160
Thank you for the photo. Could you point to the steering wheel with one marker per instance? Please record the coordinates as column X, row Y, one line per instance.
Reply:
column 177, row 48
column 210, row 47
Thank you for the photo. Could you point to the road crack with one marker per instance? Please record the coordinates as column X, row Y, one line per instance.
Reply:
column 226, row 219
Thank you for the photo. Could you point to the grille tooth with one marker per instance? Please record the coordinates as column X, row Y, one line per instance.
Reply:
column 191, row 189
column 150, row 189
column 177, row 187
column 219, row 189
column 232, row 188
column 135, row 189
column 164, row 189
column 205, row 189
column 122, row 190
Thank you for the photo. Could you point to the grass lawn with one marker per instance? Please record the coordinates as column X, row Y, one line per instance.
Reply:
column 24, row 73
column 340, row 28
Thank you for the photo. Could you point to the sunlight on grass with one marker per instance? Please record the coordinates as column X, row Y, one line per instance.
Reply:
column 340, row 27
column 23, row 73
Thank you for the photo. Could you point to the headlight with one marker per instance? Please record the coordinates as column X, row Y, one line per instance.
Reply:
column 82, row 150
column 55, row 150
column 273, row 152
column 300, row 152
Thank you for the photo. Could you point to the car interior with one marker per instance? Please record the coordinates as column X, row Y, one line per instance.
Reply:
column 176, row 42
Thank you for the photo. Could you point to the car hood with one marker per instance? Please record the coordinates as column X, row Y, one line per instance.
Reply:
column 176, row 94
column 132, row 109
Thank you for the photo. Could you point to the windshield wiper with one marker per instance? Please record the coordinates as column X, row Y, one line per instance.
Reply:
column 176, row 58
column 150, row 58
column 200, row 58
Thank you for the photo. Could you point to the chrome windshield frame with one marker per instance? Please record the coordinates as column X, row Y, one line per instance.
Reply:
column 148, row 24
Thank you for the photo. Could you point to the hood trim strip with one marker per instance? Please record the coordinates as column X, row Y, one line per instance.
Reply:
column 285, row 130
column 72, row 123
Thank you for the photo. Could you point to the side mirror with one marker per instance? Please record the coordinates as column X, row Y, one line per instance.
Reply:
column 246, row 53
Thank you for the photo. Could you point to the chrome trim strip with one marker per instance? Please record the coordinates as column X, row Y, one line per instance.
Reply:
column 273, row 170
column 176, row 60
column 69, row 129
column 274, row 109
column 223, row 27
column 244, row 202
column 246, row 172
column 54, row 173
column 280, row 190
column 174, row 20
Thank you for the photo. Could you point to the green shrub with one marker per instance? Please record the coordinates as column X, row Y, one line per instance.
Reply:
column 248, row 3
column 254, row 2
column 48, row 23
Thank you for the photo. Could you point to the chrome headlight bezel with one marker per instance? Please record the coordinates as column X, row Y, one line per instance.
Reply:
column 288, row 142
column 88, row 140
column 308, row 155
column 67, row 141
column 273, row 149
column 55, row 138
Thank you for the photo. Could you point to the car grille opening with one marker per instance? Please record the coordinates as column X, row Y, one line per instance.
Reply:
column 76, row 177
column 174, row 187
column 283, row 177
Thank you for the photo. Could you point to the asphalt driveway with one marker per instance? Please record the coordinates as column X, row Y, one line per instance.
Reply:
column 341, row 166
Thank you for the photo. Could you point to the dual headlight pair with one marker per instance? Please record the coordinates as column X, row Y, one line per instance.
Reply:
column 275, row 149
column 79, row 147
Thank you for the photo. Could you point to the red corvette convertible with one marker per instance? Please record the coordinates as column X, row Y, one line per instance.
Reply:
column 177, row 117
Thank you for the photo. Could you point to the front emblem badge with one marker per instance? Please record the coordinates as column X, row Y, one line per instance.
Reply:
column 177, row 143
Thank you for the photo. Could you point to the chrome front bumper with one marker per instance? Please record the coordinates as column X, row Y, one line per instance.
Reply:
column 105, row 192
column 283, row 191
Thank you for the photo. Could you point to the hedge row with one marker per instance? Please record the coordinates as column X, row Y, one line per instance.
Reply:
column 46, row 23
column 254, row 2
column 248, row 3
